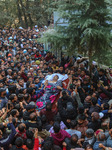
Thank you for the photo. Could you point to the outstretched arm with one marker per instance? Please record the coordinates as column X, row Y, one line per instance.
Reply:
column 9, row 139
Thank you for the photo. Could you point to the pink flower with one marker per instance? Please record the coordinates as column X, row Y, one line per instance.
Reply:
column 52, row 98
column 39, row 104
column 49, row 86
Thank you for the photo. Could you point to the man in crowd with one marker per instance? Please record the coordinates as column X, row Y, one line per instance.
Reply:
column 83, row 104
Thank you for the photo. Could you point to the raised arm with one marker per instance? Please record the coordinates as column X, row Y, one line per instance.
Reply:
column 9, row 139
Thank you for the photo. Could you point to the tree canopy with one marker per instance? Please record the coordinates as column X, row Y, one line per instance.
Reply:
column 89, row 28
column 24, row 12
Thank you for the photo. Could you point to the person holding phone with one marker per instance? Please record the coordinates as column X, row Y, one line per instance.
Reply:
column 5, row 142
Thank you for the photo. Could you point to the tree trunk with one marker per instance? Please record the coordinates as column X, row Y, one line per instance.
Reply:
column 19, row 14
column 24, row 14
column 90, row 57
column 29, row 16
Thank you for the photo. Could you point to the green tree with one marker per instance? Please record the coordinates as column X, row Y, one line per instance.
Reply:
column 24, row 12
column 89, row 29
column 7, row 12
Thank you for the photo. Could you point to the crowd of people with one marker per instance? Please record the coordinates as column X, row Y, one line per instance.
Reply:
column 51, row 104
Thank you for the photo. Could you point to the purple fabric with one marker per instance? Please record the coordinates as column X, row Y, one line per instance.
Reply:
column 62, row 126
column 60, row 137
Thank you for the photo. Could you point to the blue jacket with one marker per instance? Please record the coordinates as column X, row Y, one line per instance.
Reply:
column 3, row 102
column 5, row 142
column 96, row 145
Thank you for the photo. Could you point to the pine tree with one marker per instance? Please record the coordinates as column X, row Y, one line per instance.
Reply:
column 89, row 27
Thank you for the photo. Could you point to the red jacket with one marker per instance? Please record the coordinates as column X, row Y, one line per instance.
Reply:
column 36, row 144
column 21, row 134
column 38, row 56
column 60, row 137
column 24, row 76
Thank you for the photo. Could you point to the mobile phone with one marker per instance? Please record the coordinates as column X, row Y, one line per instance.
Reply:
column 8, row 106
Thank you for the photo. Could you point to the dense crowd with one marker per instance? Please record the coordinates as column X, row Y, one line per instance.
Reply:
column 51, row 104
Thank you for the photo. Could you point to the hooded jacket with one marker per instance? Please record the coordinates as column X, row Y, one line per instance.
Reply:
column 60, row 137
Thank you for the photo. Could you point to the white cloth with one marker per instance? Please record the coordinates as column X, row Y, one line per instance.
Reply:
column 20, row 28
column 61, row 77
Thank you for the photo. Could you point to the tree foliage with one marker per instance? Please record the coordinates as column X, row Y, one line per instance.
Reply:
column 24, row 12
column 89, row 27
